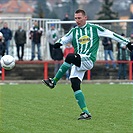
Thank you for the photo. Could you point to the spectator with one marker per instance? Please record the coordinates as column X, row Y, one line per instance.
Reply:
column 52, row 37
column 7, row 34
column 123, row 55
column 2, row 48
column 67, row 50
column 35, row 36
column 20, row 40
column 66, row 27
column 108, row 50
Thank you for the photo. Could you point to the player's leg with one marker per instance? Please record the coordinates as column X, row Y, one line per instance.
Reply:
column 71, row 58
column 76, row 76
column 79, row 96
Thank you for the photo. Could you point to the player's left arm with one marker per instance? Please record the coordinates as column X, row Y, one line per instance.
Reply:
column 102, row 32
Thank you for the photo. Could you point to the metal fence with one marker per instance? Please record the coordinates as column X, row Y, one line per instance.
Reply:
column 26, row 24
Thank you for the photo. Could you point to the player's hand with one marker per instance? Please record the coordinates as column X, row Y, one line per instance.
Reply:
column 57, row 45
column 130, row 46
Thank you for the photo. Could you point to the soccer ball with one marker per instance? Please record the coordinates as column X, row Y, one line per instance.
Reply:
column 7, row 62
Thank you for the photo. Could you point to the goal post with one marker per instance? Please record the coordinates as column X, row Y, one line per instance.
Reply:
column 118, row 26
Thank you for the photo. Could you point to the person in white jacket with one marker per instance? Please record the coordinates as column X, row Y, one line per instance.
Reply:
column 52, row 37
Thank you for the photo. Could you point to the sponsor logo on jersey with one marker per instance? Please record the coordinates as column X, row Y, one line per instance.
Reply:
column 84, row 39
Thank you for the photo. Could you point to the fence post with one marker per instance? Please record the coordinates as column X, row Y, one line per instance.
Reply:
column 88, row 75
column 45, row 70
column 130, row 70
column 3, row 74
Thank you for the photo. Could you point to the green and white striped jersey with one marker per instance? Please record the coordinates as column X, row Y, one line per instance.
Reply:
column 85, row 40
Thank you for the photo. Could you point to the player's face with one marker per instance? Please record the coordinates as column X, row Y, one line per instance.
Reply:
column 80, row 19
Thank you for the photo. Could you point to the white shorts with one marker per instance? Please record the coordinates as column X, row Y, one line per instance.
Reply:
column 86, row 64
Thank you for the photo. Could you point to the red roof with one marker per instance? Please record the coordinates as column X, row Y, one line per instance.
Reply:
column 19, row 6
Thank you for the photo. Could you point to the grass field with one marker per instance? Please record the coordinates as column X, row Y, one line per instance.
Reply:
column 34, row 108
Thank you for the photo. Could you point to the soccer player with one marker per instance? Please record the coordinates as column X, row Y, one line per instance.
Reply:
column 85, row 40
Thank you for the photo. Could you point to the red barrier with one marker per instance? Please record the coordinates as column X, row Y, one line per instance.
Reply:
column 48, row 62
column 45, row 70
column 130, row 70
column 88, row 75
column 3, row 74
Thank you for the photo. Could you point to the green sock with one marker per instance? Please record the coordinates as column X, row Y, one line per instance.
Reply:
column 62, row 70
column 81, row 101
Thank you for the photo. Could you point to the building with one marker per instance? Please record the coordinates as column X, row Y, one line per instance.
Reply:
column 16, row 8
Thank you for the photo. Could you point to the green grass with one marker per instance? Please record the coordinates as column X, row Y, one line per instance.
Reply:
column 34, row 108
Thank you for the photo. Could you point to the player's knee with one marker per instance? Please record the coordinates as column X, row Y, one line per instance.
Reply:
column 75, row 84
column 73, row 58
column 69, row 58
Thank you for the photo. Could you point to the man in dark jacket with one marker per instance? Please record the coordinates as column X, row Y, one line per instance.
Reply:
column 108, row 50
column 7, row 34
column 20, row 40
column 123, row 55
column 35, row 36
column 66, row 27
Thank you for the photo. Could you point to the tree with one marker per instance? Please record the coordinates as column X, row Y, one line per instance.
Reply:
column 106, row 12
column 73, row 7
column 41, row 9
